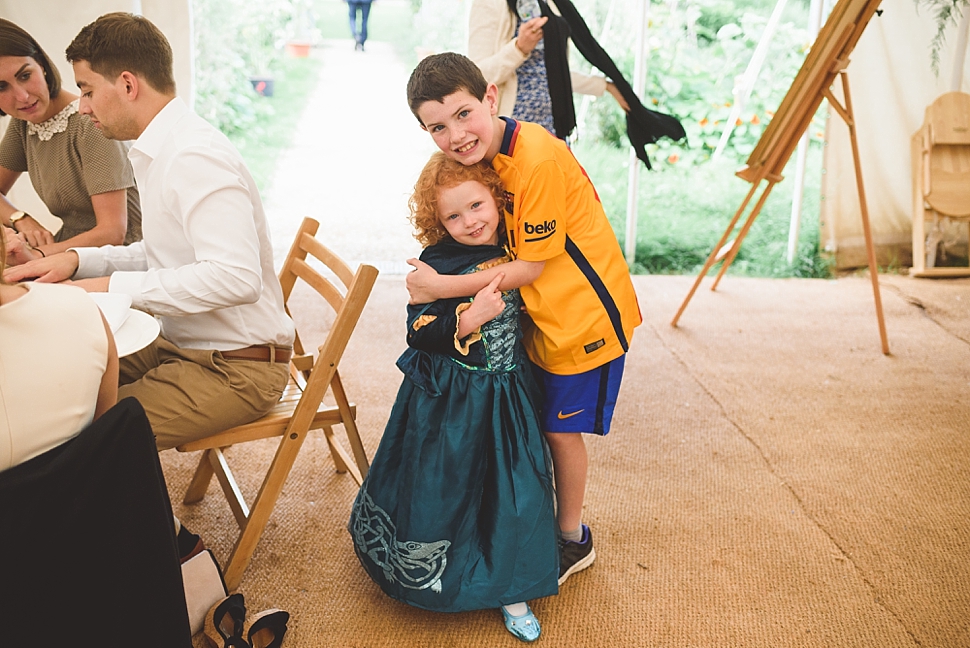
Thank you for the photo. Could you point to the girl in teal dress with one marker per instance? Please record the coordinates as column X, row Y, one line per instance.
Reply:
column 456, row 512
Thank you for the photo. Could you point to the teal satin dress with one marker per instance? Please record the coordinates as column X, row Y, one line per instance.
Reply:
column 456, row 512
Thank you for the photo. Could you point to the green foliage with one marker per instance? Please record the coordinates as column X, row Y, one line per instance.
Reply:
column 683, row 212
column 262, row 143
column 698, row 51
column 947, row 13
column 234, row 40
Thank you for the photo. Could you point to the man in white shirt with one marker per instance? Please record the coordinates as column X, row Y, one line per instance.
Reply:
column 205, row 266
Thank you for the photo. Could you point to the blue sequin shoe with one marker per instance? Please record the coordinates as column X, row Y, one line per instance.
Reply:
column 525, row 627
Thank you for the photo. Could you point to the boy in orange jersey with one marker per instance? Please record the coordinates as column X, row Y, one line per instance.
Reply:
column 568, row 264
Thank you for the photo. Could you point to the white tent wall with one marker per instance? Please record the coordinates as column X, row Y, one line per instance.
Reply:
column 55, row 23
column 891, row 83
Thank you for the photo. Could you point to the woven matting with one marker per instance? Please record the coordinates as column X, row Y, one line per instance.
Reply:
column 771, row 480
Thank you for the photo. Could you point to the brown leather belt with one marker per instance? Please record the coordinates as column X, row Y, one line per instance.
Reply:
column 260, row 353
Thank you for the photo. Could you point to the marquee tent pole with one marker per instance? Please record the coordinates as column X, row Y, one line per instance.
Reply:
column 801, row 156
column 633, row 182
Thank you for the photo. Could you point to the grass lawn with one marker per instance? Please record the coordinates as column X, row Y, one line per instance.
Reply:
column 683, row 211
column 261, row 145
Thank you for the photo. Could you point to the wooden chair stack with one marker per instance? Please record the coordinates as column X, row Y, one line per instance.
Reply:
column 301, row 409
column 941, row 180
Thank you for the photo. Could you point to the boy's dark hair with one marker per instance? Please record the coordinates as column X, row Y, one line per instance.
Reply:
column 14, row 41
column 119, row 42
column 440, row 75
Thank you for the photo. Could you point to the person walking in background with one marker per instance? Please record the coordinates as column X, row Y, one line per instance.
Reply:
column 456, row 512
column 81, row 176
column 362, row 8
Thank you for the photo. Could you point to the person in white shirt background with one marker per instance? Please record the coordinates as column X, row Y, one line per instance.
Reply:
column 205, row 266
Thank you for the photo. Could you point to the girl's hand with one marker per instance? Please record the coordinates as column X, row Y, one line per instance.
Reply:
column 489, row 300
column 487, row 305
column 530, row 33
column 34, row 233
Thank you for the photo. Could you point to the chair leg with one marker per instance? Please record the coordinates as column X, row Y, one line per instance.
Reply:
column 350, row 426
column 234, row 496
column 341, row 459
column 261, row 509
column 338, row 454
column 200, row 481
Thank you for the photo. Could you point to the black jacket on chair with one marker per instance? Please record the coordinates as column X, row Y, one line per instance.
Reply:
column 87, row 541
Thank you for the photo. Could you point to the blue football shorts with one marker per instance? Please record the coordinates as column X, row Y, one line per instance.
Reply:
column 581, row 402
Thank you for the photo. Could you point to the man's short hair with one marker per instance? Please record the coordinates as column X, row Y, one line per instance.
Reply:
column 14, row 41
column 440, row 75
column 119, row 42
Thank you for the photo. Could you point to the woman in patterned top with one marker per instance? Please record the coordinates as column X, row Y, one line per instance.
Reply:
column 456, row 512
column 83, row 178
column 506, row 40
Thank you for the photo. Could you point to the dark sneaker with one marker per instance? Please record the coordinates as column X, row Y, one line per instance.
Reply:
column 575, row 556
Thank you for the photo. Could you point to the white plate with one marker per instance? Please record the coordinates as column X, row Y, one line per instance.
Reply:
column 114, row 306
column 138, row 331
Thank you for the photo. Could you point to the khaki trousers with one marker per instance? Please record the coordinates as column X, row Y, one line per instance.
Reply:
column 190, row 394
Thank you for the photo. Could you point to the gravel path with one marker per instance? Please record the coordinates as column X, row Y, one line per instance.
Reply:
column 354, row 160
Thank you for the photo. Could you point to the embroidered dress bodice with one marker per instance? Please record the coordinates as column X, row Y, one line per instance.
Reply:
column 501, row 335
column 56, row 124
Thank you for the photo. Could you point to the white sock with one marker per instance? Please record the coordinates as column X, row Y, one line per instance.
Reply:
column 516, row 609
column 574, row 535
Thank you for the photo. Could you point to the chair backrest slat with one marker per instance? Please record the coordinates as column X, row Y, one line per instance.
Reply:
column 329, row 259
column 331, row 351
column 318, row 282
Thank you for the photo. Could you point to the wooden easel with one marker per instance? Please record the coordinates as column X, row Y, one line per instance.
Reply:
column 828, row 59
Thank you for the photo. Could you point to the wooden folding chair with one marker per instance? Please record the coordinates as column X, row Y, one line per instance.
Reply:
column 941, row 180
column 301, row 409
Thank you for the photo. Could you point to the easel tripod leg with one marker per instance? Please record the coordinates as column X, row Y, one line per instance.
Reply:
column 744, row 232
column 864, row 211
column 711, row 259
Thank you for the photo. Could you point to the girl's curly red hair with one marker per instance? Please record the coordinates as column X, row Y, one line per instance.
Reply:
column 442, row 172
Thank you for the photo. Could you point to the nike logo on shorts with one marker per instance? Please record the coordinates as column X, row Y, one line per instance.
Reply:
column 566, row 416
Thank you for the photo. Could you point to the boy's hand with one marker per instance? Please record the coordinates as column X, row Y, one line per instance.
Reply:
column 420, row 282
column 486, row 306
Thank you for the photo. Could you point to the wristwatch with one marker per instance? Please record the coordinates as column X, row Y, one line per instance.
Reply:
column 16, row 216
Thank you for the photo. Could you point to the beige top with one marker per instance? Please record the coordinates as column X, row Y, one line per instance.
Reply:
column 71, row 167
column 491, row 45
column 53, row 354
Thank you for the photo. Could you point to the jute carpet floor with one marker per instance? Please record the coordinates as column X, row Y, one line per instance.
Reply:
column 771, row 480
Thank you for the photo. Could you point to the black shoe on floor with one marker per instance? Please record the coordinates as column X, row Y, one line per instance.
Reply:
column 189, row 544
column 575, row 556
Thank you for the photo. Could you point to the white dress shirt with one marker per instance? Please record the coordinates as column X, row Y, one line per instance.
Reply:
column 205, row 266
